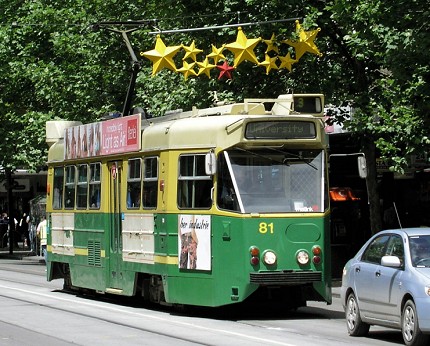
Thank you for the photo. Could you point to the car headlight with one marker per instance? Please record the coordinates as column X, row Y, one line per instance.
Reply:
column 344, row 271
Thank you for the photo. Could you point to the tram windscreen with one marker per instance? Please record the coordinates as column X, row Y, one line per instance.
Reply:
column 272, row 181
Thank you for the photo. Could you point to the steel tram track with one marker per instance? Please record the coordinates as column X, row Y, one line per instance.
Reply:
column 106, row 320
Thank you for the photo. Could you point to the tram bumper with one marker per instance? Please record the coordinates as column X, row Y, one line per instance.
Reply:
column 295, row 287
column 285, row 278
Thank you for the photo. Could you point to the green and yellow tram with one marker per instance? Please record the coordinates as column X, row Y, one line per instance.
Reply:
column 209, row 207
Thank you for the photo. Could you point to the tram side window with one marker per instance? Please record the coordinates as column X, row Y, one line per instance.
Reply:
column 194, row 186
column 150, row 182
column 70, row 187
column 134, row 183
column 82, row 190
column 95, row 185
column 57, row 202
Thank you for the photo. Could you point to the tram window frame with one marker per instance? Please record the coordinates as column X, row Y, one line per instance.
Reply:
column 150, row 182
column 134, row 184
column 193, row 190
column 82, row 187
column 95, row 185
column 69, row 186
column 58, row 188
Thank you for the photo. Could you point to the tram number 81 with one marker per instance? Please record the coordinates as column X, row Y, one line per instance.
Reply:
column 265, row 227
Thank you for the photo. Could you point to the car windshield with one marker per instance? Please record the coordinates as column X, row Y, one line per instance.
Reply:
column 420, row 250
column 272, row 180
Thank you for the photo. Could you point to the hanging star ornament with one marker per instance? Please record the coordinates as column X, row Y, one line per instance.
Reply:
column 216, row 54
column 243, row 48
column 271, row 44
column 286, row 62
column 269, row 63
column 225, row 70
column 187, row 69
column 191, row 51
column 161, row 56
column 205, row 67
column 305, row 42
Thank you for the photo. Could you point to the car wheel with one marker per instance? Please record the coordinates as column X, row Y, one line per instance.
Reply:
column 411, row 332
column 354, row 324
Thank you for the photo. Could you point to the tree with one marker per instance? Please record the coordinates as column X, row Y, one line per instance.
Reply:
column 382, row 47
column 52, row 64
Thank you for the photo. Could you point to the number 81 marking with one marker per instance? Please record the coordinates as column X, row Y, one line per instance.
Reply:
column 265, row 227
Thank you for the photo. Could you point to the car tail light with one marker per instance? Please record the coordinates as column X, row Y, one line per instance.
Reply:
column 255, row 255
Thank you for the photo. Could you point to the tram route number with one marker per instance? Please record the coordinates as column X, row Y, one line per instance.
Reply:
column 265, row 227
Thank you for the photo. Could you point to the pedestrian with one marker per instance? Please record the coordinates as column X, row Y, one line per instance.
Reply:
column 23, row 230
column 16, row 232
column 41, row 234
column 32, row 235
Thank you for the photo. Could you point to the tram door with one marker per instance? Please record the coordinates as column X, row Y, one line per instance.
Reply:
column 115, row 246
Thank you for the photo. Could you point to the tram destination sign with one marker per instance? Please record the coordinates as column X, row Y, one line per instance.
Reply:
column 280, row 130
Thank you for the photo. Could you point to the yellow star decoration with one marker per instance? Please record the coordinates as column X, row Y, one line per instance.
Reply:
column 187, row 69
column 286, row 62
column 243, row 48
column 205, row 67
column 191, row 51
column 161, row 56
column 269, row 63
column 305, row 42
column 271, row 44
column 216, row 54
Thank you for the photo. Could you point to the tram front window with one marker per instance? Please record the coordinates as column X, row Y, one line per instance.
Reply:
column 272, row 180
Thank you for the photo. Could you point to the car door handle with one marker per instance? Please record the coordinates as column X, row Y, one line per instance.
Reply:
column 357, row 269
column 378, row 273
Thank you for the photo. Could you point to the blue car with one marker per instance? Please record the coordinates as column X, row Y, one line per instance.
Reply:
column 387, row 284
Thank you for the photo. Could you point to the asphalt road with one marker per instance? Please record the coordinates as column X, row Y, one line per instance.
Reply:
column 36, row 312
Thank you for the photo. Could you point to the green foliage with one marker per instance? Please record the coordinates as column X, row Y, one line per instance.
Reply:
column 52, row 64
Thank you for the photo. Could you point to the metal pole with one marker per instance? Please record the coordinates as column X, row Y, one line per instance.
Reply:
column 9, row 184
column 222, row 26
column 135, row 65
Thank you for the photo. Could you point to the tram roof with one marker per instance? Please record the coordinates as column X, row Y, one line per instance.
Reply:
column 203, row 132
column 202, row 128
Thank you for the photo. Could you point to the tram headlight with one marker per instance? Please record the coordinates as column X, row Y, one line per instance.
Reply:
column 269, row 257
column 302, row 257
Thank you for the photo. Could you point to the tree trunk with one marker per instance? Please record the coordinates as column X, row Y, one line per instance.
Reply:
column 369, row 150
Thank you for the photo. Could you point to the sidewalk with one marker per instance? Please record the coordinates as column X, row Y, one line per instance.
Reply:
column 20, row 254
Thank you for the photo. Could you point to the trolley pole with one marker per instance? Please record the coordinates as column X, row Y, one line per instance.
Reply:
column 136, row 65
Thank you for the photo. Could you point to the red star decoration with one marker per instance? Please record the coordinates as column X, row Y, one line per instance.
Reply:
column 225, row 70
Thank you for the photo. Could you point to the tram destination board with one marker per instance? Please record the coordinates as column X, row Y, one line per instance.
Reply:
column 280, row 130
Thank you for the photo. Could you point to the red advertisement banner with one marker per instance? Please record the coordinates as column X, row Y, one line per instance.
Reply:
column 109, row 137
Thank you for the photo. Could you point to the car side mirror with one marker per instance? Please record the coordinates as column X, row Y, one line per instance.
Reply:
column 391, row 261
